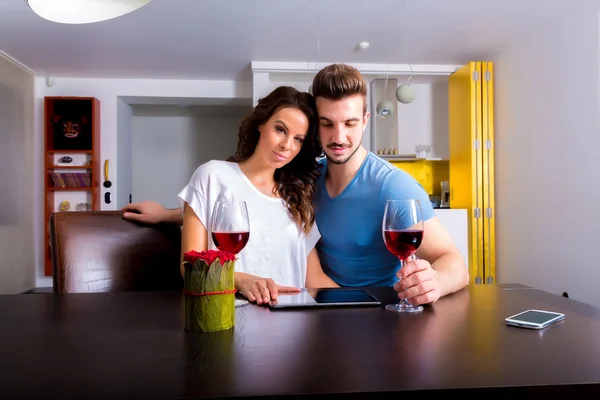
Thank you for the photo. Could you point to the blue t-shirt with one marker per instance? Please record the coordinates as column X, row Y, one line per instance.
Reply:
column 351, row 249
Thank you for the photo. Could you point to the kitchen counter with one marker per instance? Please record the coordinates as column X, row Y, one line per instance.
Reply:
column 456, row 222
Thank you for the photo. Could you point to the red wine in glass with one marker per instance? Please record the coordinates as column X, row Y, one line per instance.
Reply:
column 230, row 229
column 402, row 229
column 403, row 243
column 232, row 242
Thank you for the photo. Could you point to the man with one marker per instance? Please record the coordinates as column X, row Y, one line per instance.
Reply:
column 350, row 198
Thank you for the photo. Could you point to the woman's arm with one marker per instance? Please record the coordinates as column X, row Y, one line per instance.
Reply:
column 315, row 277
column 193, row 235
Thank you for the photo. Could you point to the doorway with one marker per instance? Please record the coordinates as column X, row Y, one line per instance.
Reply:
column 167, row 141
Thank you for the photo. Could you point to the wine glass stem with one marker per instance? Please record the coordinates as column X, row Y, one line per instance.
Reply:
column 404, row 302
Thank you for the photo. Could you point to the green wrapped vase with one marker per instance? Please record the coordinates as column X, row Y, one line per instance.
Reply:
column 209, row 290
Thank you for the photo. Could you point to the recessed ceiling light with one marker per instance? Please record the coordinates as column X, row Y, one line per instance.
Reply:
column 83, row 11
column 364, row 45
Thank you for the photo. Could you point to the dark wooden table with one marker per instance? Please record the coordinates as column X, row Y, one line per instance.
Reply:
column 133, row 345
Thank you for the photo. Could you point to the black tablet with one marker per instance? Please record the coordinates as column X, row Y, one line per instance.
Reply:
column 325, row 298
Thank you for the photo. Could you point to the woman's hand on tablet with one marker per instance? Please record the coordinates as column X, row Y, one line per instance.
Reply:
column 260, row 290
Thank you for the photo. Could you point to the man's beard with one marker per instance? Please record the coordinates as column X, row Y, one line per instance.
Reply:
column 343, row 161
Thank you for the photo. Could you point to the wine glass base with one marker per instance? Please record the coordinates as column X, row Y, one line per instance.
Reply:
column 241, row 302
column 404, row 308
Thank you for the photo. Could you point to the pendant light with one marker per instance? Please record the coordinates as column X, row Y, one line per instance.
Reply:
column 385, row 108
column 310, row 91
column 405, row 93
column 83, row 11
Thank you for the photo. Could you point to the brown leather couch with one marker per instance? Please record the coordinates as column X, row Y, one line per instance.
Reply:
column 99, row 251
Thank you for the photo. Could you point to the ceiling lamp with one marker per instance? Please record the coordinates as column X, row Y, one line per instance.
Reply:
column 405, row 93
column 83, row 11
column 385, row 109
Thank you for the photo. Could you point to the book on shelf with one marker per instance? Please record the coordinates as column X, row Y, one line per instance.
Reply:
column 71, row 179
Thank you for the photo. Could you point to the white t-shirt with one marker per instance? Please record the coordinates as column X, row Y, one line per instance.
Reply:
column 277, row 248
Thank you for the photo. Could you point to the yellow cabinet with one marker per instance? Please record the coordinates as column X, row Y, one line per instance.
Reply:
column 471, row 166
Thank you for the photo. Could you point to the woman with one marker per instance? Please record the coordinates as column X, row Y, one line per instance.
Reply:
column 274, row 172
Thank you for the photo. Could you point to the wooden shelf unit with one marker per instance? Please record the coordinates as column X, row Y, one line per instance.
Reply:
column 70, row 167
column 61, row 112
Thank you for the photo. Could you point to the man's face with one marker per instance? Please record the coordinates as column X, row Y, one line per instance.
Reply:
column 341, row 127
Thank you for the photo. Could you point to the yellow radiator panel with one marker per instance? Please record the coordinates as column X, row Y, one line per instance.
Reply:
column 465, row 169
column 488, row 172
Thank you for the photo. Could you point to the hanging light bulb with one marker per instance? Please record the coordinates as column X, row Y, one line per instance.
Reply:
column 310, row 91
column 83, row 11
column 405, row 93
column 385, row 109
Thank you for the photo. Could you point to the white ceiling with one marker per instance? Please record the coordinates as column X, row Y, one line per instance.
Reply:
column 217, row 39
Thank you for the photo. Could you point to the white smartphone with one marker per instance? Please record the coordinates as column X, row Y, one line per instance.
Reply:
column 534, row 319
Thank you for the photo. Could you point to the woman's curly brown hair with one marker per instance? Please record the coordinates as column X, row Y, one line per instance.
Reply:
column 295, row 181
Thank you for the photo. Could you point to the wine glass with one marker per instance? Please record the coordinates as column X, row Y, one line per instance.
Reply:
column 402, row 230
column 230, row 229
column 230, row 226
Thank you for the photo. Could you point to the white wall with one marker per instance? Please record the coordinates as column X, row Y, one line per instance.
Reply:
column 424, row 121
column 110, row 92
column 17, row 205
column 170, row 142
column 547, row 157
column 123, row 175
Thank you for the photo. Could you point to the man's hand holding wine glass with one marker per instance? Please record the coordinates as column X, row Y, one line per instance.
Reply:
column 434, row 275
column 418, row 283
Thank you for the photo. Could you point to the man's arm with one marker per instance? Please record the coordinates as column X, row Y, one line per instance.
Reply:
column 150, row 212
column 440, row 269
column 315, row 277
column 441, row 252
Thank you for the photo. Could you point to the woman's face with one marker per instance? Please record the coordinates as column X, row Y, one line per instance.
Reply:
column 282, row 136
